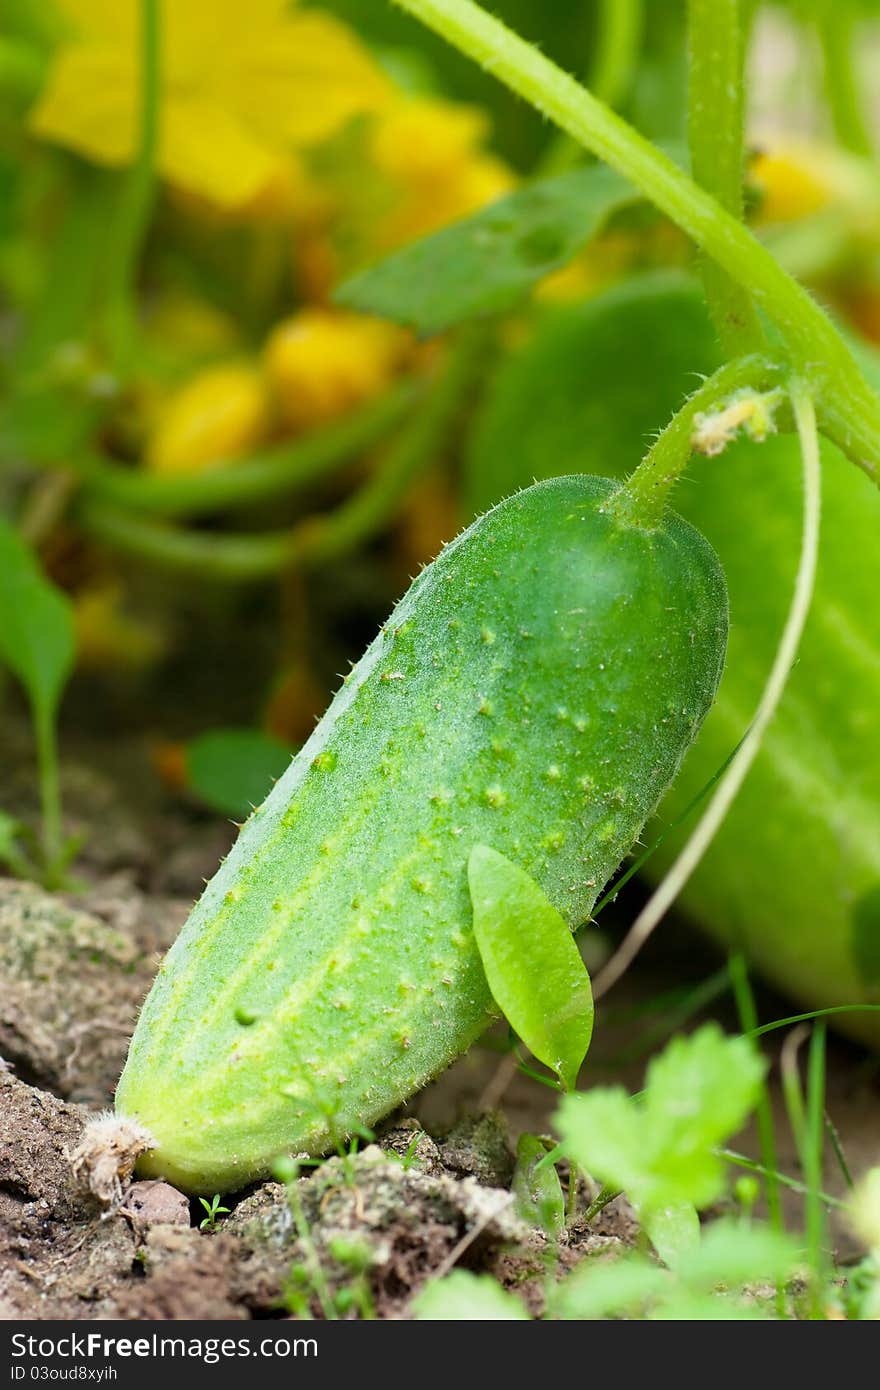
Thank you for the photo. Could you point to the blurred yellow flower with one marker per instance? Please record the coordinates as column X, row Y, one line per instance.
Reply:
column 321, row 364
column 432, row 154
column 108, row 637
column 241, row 84
column 219, row 414
column 797, row 178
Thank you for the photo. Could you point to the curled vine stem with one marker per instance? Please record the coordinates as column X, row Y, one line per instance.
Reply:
column 680, row 872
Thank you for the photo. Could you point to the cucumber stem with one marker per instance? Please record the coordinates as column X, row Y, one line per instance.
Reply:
column 642, row 499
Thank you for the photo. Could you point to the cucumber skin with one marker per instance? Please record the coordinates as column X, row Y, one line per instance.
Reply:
column 535, row 690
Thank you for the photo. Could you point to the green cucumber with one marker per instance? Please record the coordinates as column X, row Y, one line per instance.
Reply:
column 535, row 691
column 793, row 876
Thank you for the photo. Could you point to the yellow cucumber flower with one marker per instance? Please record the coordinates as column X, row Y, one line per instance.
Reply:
column 241, row 85
column 219, row 414
column 432, row 154
column 797, row 178
column 321, row 363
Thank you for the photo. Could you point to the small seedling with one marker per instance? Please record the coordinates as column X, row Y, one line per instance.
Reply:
column 213, row 1209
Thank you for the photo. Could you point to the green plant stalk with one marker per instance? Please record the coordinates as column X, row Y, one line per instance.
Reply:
column 645, row 494
column 837, row 35
column 833, row 1134
column 621, row 25
column 849, row 409
column 618, row 41
column 813, row 1149
column 135, row 203
column 793, row 1094
column 748, row 1019
column 760, row 1170
column 277, row 472
column 315, row 540
column 50, row 789
column 715, row 137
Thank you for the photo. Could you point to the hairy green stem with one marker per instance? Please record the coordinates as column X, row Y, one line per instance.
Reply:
column 642, row 498
column 136, row 198
column 315, row 540
column 821, row 354
column 277, row 472
column 715, row 135
column 838, row 36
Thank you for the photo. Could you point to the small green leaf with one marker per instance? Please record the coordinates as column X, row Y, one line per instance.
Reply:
column 232, row 770
column 36, row 625
column 532, row 963
column 662, row 1149
column 464, row 1297
column 537, row 1189
column 601, row 1288
column 485, row 262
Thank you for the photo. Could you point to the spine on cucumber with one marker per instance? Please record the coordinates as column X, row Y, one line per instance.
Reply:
column 535, row 690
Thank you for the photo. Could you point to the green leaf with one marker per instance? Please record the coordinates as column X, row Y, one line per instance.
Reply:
column 532, row 963
column 12, row 854
column 591, row 386
column 36, row 626
column 464, row 1297
column 733, row 1255
column 602, row 1288
column 485, row 262
column 537, row 1189
column 694, row 1307
column 661, row 1150
column 698, row 1093
column 673, row 1231
column 232, row 770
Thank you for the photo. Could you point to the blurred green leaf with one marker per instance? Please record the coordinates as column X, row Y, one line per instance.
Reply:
column 733, row 1255
column 537, row 1189
column 484, row 263
column 465, row 1297
column 591, row 387
column 36, row 626
column 532, row 963
column 601, row 1288
column 695, row 1307
column 232, row 770
column 661, row 1149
